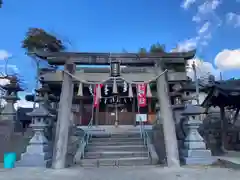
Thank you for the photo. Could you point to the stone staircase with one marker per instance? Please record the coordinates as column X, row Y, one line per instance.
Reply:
column 119, row 149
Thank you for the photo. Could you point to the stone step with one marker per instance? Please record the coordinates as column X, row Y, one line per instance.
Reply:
column 116, row 148
column 115, row 139
column 133, row 161
column 126, row 135
column 114, row 143
column 115, row 154
column 117, row 135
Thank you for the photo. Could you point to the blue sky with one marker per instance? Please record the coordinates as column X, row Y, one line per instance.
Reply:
column 107, row 25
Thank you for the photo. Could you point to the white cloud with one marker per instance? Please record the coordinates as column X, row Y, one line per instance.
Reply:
column 23, row 103
column 4, row 82
column 207, row 12
column 204, row 28
column 20, row 103
column 196, row 19
column 187, row 3
column 228, row 59
column 203, row 69
column 4, row 55
column 11, row 69
column 187, row 45
column 201, row 39
column 208, row 6
column 208, row 19
column 234, row 19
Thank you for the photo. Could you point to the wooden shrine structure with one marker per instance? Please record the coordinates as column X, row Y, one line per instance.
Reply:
column 225, row 95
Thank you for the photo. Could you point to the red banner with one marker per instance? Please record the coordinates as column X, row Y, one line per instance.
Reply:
column 96, row 97
column 141, row 95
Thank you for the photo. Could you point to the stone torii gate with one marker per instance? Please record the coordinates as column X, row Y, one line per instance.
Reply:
column 69, row 60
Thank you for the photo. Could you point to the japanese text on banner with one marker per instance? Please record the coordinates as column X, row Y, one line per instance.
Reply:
column 141, row 95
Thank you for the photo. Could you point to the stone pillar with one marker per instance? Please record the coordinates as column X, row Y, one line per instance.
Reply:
column 168, row 121
column 158, row 114
column 38, row 151
column 63, row 121
column 194, row 151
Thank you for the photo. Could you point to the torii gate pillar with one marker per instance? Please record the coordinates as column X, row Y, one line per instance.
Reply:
column 169, row 130
column 63, row 120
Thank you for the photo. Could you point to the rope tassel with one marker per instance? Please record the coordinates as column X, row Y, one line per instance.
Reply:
column 115, row 91
column 149, row 93
column 80, row 89
column 130, row 92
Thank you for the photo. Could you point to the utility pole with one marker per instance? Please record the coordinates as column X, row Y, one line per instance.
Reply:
column 196, row 82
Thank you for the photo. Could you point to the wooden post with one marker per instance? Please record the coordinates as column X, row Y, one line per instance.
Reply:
column 169, row 130
column 224, row 125
column 97, row 115
column 81, row 111
column 106, row 115
column 149, row 105
column 63, row 121
column 134, row 111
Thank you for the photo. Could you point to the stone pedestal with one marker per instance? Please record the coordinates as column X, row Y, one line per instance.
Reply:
column 158, row 142
column 194, row 151
column 39, row 151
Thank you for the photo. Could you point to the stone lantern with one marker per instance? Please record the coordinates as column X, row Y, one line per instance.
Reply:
column 194, row 151
column 8, row 122
column 39, row 151
column 115, row 68
column 9, row 113
column 44, row 92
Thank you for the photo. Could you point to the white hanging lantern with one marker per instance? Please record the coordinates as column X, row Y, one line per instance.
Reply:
column 106, row 89
column 124, row 86
column 90, row 89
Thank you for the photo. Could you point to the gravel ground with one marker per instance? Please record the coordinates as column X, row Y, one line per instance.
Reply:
column 121, row 173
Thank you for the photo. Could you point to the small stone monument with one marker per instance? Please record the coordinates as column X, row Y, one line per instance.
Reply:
column 194, row 151
column 38, row 152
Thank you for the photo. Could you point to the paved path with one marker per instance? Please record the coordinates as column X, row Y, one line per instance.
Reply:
column 123, row 173
column 231, row 156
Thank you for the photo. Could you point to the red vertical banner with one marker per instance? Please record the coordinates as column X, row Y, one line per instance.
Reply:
column 96, row 96
column 141, row 95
